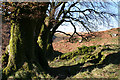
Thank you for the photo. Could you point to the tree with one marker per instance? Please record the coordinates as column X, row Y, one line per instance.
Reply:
column 33, row 24
column 25, row 24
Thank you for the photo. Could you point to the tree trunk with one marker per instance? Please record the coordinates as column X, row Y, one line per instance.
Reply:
column 45, row 42
column 25, row 54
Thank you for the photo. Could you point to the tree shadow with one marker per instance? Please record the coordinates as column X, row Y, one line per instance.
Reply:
column 112, row 59
column 55, row 54
column 67, row 71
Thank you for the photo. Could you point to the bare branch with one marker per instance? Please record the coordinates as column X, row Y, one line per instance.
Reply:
column 61, row 11
column 58, row 5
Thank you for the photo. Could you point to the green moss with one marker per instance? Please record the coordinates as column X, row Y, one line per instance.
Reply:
column 81, row 51
column 21, row 74
column 5, row 59
column 40, row 42
column 9, row 70
column 66, row 55
column 85, row 53
column 12, row 52
column 86, row 50
column 26, row 73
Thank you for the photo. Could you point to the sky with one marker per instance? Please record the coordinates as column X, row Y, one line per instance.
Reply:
column 113, row 23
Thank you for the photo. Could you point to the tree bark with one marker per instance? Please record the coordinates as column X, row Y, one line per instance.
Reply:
column 45, row 42
column 25, row 53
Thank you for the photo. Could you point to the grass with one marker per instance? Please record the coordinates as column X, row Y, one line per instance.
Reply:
column 101, row 62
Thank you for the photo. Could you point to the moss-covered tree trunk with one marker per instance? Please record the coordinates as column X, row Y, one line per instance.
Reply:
column 45, row 41
column 25, row 53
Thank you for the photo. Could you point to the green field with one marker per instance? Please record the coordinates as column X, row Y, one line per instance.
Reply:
column 88, row 62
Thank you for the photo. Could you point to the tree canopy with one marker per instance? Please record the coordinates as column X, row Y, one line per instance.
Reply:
column 87, row 15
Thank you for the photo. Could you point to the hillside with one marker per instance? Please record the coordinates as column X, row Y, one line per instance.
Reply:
column 100, row 38
column 99, row 57
column 88, row 62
